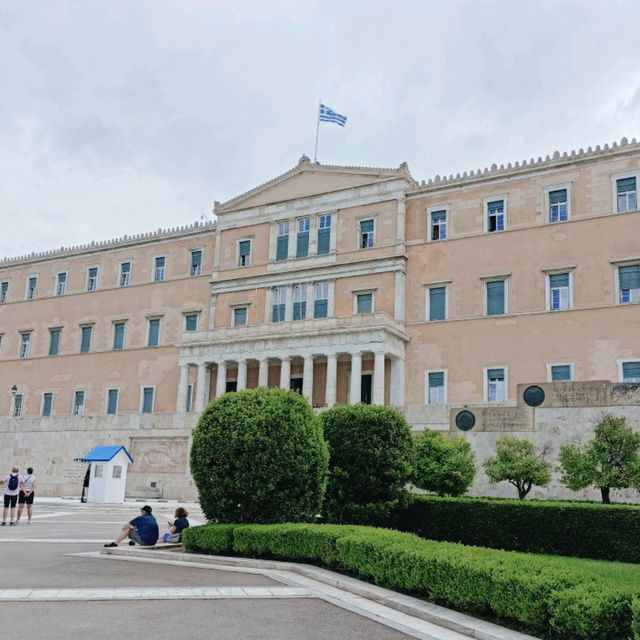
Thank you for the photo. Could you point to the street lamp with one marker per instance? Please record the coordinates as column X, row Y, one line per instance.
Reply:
column 14, row 390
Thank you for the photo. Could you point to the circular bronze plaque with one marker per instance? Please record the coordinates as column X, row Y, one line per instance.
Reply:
column 533, row 396
column 465, row 420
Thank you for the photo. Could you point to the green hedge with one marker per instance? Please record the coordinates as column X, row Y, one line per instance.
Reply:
column 528, row 590
column 588, row 530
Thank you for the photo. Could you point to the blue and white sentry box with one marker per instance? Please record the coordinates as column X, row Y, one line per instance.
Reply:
column 109, row 466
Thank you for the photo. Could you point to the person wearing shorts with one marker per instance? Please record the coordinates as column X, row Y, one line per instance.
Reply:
column 12, row 484
column 26, row 495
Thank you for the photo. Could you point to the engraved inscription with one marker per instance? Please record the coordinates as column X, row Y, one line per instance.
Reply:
column 580, row 394
column 159, row 455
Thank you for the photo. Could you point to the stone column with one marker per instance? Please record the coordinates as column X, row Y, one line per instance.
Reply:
column 307, row 378
column 201, row 386
column 356, row 378
column 378, row 378
column 242, row 375
column 183, row 389
column 221, row 382
column 397, row 382
column 263, row 372
column 332, row 379
column 285, row 373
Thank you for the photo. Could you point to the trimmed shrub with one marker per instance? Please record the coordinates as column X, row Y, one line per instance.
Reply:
column 370, row 449
column 259, row 456
column 635, row 618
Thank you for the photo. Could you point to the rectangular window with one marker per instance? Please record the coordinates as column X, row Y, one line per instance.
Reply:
column 196, row 263
column 85, row 339
column 435, row 381
column 118, row 335
column 495, row 298
column 438, row 225
column 631, row 371
column 278, row 304
column 629, row 283
column 324, row 233
column 98, row 471
column 189, row 397
column 159, row 267
column 112, row 401
column 627, row 194
column 495, row 216
column 244, row 253
column 558, row 205
column 302, row 239
column 299, row 301
column 61, row 283
column 364, row 303
column 78, row 403
column 47, row 404
column 367, row 234
column 321, row 300
column 125, row 274
column 25, row 344
column 437, row 303
column 54, row 341
column 495, row 385
column 560, row 372
column 240, row 316
column 191, row 322
column 32, row 286
column 4, row 292
column 153, row 338
column 282, row 241
column 92, row 278
column 147, row 399
column 17, row 405
column 559, row 297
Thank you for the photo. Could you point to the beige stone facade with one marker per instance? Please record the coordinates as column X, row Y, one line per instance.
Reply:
column 347, row 283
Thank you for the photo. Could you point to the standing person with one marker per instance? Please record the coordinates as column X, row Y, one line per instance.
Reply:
column 26, row 496
column 13, row 483
column 177, row 526
column 143, row 530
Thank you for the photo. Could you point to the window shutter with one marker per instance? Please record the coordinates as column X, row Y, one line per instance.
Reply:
column 495, row 374
column 245, row 246
column 364, row 303
column 320, row 309
column 302, row 245
column 497, row 206
column 112, row 402
column 282, row 249
column 154, row 332
column 560, row 372
column 437, row 303
column 629, row 277
column 631, row 371
column 366, row 226
column 559, row 280
column 299, row 310
column 438, row 215
column 626, row 184
column 86, row 339
column 558, row 197
column 324, row 240
column 495, row 298
column 436, row 379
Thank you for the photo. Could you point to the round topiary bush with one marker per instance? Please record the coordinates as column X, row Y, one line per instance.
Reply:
column 370, row 451
column 259, row 456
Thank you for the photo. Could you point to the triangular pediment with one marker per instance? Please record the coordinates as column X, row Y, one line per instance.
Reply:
column 310, row 179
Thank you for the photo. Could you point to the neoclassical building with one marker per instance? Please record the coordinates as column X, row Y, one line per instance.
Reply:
column 347, row 284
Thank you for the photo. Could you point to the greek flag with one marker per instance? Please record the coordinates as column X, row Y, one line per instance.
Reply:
column 327, row 114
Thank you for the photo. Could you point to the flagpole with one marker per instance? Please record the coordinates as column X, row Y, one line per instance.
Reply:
column 315, row 154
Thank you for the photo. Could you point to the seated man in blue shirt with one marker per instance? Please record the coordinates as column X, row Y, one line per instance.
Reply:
column 143, row 530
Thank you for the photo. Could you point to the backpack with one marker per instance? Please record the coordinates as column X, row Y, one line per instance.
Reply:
column 13, row 483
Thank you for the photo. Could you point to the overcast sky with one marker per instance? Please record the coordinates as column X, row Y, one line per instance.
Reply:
column 123, row 117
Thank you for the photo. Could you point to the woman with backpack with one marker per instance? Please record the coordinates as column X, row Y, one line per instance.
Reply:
column 13, row 483
column 27, row 493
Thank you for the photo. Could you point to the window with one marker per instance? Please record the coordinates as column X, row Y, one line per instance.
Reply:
column 147, row 399
column 158, row 270
column 558, row 205
column 196, row 263
column 191, row 322
column 299, row 301
column 367, row 234
column 629, row 283
column 99, row 470
column 32, row 286
column 244, row 253
column 437, row 303
column 324, row 233
column 125, row 274
column 92, row 278
column 438, row 225
column 321, row 300
column 496, row 391
column 47, row 404
column 118, row 335
column 278, row 304
column 302, row 240
column 116, row 472
column 496, row 297
column 189, row 397
column 436, row 387
column 54, row 341
column 240, row 316
column 153, row 337
column 61, row 283
column 631, row 371
column 25, row 344
column 17, row 405
column 4, row 292
column 559, row 291
column 627, row 194
column 85, row 338
column 78, row 403
column 112, row 401
column 560, row 372
column 282, row 241
column 495, row 215
column 364, row 303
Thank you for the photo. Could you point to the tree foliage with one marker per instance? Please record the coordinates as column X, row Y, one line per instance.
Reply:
column 259, row 456
column 518, row 462
column 445, row 466
column 611, row 460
